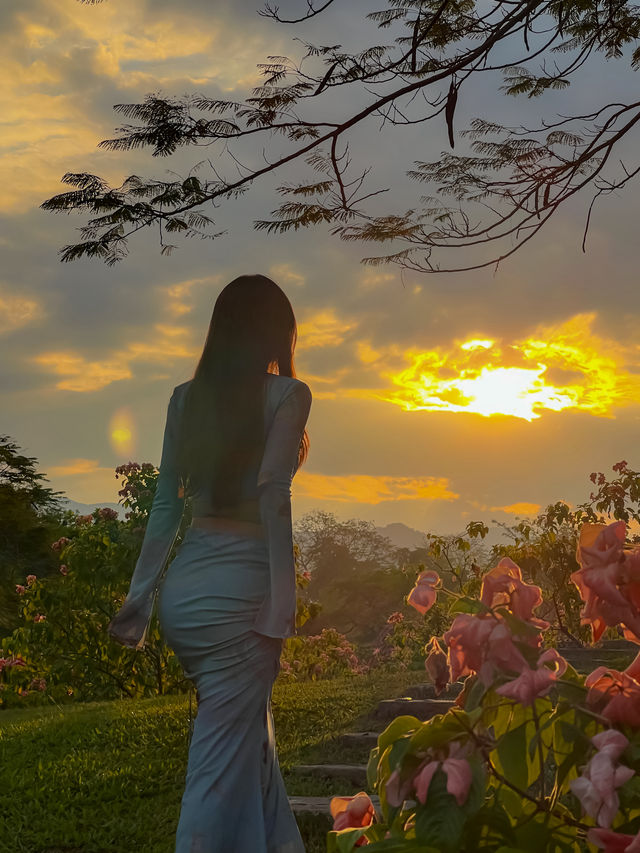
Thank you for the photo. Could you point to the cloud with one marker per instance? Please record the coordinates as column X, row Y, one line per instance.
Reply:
column 323, row 329
column 519, row 508
column 557, row 367
column 284, row 275
column 18, row 311
column 64, row 65
column 367, row 489
column 73, row 467
column 82, row 374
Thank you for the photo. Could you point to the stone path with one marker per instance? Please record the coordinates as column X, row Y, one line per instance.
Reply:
column 419, row 701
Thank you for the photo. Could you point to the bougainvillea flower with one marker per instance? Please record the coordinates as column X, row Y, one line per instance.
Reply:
column 423, row 595
column 596, row 788
column 532, row 683
column 436, row 666
column 614, row 842
column 608, row 580
column 503, row 585
column 352, row 812
column 619, row 692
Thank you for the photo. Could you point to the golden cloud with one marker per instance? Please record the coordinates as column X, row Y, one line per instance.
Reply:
column 81, row 374
column 323, row 329
column 520, row 508
column 73, row 467
column 363, row 488
column 50, row 123
column 180, row 294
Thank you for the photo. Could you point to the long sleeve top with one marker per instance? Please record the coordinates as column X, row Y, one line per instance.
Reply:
column 287, row 406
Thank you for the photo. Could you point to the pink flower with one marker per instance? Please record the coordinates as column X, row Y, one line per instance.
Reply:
column 395, row 617
column 423, row 595
column 64, row 570
column 306, row 575
column 20, row 589
column 3, row 663
column 503, row 586
column 481, row 644
column 60, row 543
column 458, row 772
column 596, row 788
column 436, row 665
column 39, row 617
column 31, row 579
column 17, row 661
column 614, row 842
column 83, row 519
column 397, row 790
column 608, row 580
column 422, row 780
column 619, row 690
column 38, row 684
column 107, row 513
column 532, row 683
column 356, row 812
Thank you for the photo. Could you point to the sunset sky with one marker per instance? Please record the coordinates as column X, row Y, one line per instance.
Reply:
column 438, row 399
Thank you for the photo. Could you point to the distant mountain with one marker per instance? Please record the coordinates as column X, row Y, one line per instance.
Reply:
column 85, row 509
column 402, row 536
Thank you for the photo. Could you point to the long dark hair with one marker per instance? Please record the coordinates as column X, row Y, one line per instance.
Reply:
column 222, row 434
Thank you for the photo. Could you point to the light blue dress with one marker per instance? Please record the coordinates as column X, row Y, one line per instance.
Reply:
column 225, row 604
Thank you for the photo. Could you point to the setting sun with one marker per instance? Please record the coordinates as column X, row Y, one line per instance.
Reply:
column 562, row 367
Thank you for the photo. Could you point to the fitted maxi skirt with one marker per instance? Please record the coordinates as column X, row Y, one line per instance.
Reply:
column 234, row 799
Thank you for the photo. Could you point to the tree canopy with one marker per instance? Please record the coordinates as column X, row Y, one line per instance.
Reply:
column 421, row 55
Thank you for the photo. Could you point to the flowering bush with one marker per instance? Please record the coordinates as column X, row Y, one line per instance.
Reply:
column 533, row 756
column 62, row 645
column 324, row 655
column 62, row 651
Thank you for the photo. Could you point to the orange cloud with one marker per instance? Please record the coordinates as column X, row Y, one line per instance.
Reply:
column 520, row 508
column 74, row 467
column 363, row 488
column 80, row 374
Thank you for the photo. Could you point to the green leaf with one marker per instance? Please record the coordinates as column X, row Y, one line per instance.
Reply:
column 440, row 822
column 397, row 728
column 465, row 604
column 512, row 756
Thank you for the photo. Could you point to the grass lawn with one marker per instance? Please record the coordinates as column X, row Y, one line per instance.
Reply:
column 109, row 776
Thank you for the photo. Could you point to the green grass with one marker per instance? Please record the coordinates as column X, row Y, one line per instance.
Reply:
column 109, row 776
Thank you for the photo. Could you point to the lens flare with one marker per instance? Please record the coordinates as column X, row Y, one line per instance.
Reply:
column 122, row 432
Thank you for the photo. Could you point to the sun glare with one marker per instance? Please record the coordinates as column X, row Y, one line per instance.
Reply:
column 121, row 432
column 560, row 367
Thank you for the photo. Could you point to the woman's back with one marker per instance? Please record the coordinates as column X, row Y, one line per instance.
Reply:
column 247, row 508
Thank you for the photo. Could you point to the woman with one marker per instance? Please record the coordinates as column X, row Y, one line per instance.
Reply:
column 234, row 437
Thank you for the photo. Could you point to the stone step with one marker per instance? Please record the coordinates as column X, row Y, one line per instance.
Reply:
column 320, row 805
column 360, row 739
column 426, row 690
column 355, row 773
column 423, row 709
